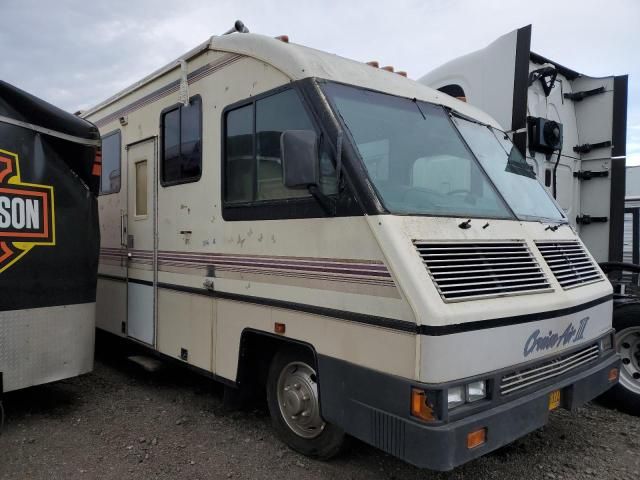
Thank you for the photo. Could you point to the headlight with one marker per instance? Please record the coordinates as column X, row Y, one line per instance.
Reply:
column 476, row 390
column 606, row 343
column 455, row 396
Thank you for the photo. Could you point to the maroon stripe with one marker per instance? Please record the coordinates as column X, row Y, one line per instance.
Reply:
column 288, row 260
column 296, row 260
column 300, row 268
column 357, row 280
column 338, row 268
column 176, row 252
column 279, row 263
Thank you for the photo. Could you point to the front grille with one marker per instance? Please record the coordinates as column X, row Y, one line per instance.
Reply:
column 464, row 271
column 570, row 263
column 545, row 370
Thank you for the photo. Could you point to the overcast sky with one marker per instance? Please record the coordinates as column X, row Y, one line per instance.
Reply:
column 75, row 53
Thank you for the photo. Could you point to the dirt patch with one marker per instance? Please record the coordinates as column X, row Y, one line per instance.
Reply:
column 122, row 422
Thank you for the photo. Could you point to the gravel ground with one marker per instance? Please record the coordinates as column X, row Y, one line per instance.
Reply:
column 121, row 422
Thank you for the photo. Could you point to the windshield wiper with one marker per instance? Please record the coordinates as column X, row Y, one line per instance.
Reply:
column 415, row 100
column 453, row 113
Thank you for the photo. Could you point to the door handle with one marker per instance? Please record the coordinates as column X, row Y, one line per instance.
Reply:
column 123, row 229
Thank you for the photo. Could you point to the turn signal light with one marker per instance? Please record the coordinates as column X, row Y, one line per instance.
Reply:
column 613, row 374
column 283, row 38
column 476, row 438
column 420, row 406
column 97, row 164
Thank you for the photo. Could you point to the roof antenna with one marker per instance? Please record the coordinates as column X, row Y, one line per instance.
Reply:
column 239, row 27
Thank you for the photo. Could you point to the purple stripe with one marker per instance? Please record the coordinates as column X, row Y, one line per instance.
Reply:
column 371, row 264
column 311, row 276
column 363, row 269
column 270, row 263
column 261, row 260
column 271, row 266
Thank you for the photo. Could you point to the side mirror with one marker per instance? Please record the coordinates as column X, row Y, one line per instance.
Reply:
column 300, row 163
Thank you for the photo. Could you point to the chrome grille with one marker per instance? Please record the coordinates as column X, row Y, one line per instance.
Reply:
column 569, row 262
column 541, row 372
column 464, row 271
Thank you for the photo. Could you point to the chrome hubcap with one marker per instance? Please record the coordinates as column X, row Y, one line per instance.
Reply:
column 298, row 400
column 628, row 346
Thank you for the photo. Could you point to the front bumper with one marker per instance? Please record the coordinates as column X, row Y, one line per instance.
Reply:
column 374, row 408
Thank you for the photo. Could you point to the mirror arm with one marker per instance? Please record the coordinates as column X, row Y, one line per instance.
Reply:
column 327, row 204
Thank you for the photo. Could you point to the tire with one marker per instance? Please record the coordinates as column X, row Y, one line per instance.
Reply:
column 293, row 374
column 625, row 395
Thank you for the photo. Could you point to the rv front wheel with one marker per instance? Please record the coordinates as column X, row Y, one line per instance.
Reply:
column 292, row 395
column 626, row 394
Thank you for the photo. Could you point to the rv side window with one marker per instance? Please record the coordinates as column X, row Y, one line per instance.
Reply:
column 239, row 155
column 274, row 115
column 110, row 173
column 141, row 188
column 253, row 163
column 181, row 160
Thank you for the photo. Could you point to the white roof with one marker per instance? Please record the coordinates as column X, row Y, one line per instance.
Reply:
column 297, row 62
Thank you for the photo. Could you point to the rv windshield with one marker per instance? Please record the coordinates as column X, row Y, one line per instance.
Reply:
column 419, row 163
column 509, row 171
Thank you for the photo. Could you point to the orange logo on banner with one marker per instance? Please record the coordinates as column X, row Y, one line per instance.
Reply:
column 27, row 215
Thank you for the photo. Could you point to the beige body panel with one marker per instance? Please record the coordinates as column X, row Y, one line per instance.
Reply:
column 187, row 321
column 394, row 351
column 209, row 328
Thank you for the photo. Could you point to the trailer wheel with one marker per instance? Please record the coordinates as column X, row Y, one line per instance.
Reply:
column 626, row 394
column 292, row 396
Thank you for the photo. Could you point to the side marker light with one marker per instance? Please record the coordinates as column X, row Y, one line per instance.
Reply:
column 476, row 438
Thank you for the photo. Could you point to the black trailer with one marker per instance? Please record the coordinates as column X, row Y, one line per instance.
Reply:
column 49, row 241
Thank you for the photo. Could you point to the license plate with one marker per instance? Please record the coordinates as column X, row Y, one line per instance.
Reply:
column 554, row 399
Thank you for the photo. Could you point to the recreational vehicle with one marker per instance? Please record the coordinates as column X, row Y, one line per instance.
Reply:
column 572, row 129
column 372, row 253
column 49, row 241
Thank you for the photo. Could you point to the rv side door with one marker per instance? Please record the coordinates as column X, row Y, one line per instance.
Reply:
column 141, row 256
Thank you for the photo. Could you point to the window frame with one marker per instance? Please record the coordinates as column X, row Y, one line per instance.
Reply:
column 118, row 132
column 178, row 106
column 272, row 209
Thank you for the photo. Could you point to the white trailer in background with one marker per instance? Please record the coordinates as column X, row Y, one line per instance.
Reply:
column 572, row 129
column 631, row 250
column 281, row 217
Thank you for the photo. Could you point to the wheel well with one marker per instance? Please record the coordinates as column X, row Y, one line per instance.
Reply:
column 257, row 349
